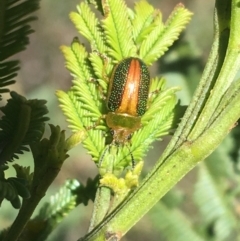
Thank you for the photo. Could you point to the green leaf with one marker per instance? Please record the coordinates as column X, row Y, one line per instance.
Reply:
column 162, row 37
column 83, row 104
column 76, row 57
column 89, row 26
column 211, row 198
column 172, row 224
column 14, row 31
column 142, row 23
column 70, row 107
column 22, row 124
column 53, row 212
column 118, row 30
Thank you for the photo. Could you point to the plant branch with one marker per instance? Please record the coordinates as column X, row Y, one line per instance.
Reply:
column 167, row 174
column 183, row 153
column 212, row 68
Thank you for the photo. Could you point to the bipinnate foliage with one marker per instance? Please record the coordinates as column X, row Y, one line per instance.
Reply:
column 70, row 195
column 14, row 31
column 117, row 34
column 213, row 197
column 23, row 123
column 120, row 33
column 23, row 120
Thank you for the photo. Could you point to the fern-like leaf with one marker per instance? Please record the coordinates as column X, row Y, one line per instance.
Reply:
column 88, row 25
column 54, row 211
column 209, row 197
column 118, row 31
column 142, row 22
column 14, row 31
column 124, row 32
column 13, row 188
column 22, row 124
column 71, row 194
column 162, row 37
column 173, row 224
column 81, row 109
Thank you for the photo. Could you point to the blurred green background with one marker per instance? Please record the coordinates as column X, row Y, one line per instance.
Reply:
column 43, row 72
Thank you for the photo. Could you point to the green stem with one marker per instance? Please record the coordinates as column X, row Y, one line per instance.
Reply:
column 46, row 168
column 29, row 205
column 212, row 68
column 183, row 155
column 103, row 195
column 101, row 206
column 166, row 174
column 226, row 76
column 22, row 218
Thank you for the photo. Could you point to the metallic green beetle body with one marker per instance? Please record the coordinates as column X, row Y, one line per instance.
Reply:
column 127, row 97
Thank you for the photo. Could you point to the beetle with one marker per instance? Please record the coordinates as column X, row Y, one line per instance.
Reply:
column 127, row 98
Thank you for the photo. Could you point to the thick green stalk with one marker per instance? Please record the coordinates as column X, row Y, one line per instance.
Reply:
column 29, row 205
column 48, row 159
column 211, row 71
column 103, row 195
column 227, row 73
column 101, row 206
column 167, row 174
column 178, row 161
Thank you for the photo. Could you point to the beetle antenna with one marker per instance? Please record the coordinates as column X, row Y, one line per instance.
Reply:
column 103, row 155
column 132, row 159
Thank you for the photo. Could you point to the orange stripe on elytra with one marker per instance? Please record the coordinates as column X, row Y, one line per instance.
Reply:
column 130, row 94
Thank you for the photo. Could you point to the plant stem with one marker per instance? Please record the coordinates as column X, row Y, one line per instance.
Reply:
column 227, row 73
column 22, row 218
column 184, row 153
column 103, row 194
column 210, row 74
column 101, row 206
column 166, row 174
